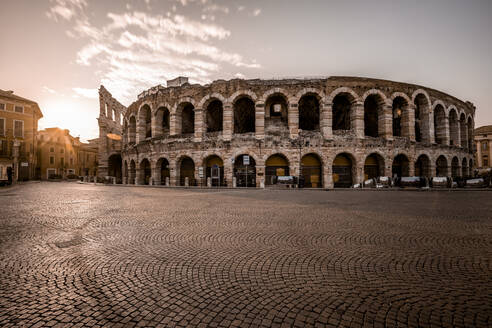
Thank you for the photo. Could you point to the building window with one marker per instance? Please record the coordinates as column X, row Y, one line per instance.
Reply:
column 62, row 161
column 114, row 114
column 2, row 106
column 19, row 109
column 52, row 160
column 62, row 151
column 106, row 110
column 485, row 161
column 485, row 145
column 71, row 161
column 2, row 126
column 52, row 149
column 18, row 129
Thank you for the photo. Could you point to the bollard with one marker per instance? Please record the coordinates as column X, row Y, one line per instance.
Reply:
column 234, row 183
column 167, row 181
column 114, row 180
column 187, row 182
column 209, row 182
column 262, row 183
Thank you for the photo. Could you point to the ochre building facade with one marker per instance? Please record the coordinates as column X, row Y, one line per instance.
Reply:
column 332, row 132
column 483, row 144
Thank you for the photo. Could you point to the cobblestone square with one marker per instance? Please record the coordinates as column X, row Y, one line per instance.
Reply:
column 114, row 256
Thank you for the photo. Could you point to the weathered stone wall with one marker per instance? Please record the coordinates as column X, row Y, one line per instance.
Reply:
column 288, row 139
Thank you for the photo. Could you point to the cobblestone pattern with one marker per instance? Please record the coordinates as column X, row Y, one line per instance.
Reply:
column 94, row 256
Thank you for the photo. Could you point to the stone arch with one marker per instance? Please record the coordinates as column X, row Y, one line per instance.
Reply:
column 273, row 91
column 133, row 172
column 208, row 98
column 422, row 113
column 164, row 171
column 132, row 129
column 343, row 102
column 162, row 119
column 455, row 167
column 214, row 169
column 309, row 106
column 344, row 170
column 245, row 174
column 400, row 166
column 125, row 169
column 144, row 122
column 374, row 106
column 312, row 170
column 276, row 165
column 244, row 113
column 454, row 133
column 186, row 169
column 241, row 93
column 464, row 168
column 442, row 168
column 440, row 129
column 185, row 117
column 115, row 167
column 145, row 172
column 374, row 165
column 276, row 111
column 400, row 114
column 214, row 115
column 423, row 166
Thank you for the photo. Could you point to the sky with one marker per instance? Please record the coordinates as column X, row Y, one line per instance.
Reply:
column 58, row 52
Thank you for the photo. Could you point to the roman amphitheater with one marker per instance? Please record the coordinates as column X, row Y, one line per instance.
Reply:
column 333, row 132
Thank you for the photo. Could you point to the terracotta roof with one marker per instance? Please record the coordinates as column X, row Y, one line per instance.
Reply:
column 11, row 95
column 486, row 129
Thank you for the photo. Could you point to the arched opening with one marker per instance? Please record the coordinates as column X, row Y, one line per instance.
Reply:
column 469, row 126
column 163, row 164
column 463, row 131
column 470, row 167
column 275, row 166
column 125, row 170
column 373, row 166
column 423, row 167
column 133, row 172
column 312, row 171
column 342, row 107
column 453, row 128
column 187, row 112
column 442, row 166
column 245, row 171
column 244, row 115
column 114, row 167
column 439, row 125
column 145, row 172
column 132, row 131
column 455, row 167
column 401, row 166
column 214, row 169
column 276, row 117
column 464, row 168
column 342, row 171
column 421, row 118
column 145, row 122
column 399, row 114
column 162, row 121
column 309, row 112
column 214, row 116
column 187, row 170
column 373, row 106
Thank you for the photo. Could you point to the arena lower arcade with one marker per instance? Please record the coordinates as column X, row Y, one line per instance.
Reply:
column 333, row 132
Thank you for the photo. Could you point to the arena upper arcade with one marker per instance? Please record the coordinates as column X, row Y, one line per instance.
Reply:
column 334, row 132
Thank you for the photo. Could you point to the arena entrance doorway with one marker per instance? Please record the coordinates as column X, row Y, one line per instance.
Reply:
column 245, row 171
column 214, row 167
column 275, row 166
column 311, row 171
column 342, row 171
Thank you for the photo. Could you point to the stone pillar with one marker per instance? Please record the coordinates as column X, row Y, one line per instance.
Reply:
column 445, row 131
column 234, row 184
column 139, row 176
column 411, row 167
column 388, row 167
column 260, row 176
column 200, row 127
column 187, row 181
column 125, row 180
column 156, row 124
column 156, row 174
column 479, row 155
column 172, row 124
column 167, row 182
column 209, row 182
column 228, row 122
column 325, row 121
column 428, row 133
column 173, row 173
column 357, row 119
column 293, row 120
column 385, row 122
column 327, row 176
column 228, row 172
column 458, row 133
column 408, row 122
column 260, row 120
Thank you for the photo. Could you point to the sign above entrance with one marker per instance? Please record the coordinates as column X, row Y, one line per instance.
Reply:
column 200, row 171
column 246, row 159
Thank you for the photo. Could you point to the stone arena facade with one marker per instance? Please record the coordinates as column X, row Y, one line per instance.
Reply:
column 333, row 132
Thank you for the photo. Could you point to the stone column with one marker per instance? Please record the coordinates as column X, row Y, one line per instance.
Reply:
column 388, row 167
column 260, row 175
column 140, row 130
column 200, row 127
column 228, row 172
column 385, row 122
column 432, row 168
column 173, row 173
column 173, row 127
column 458, row 133
column 139, row 177
column 156, row 124
column 156, row 174
column 228, row 122
column 327, row 176
column 260, row 120
column 411, row 167
column 293, row 119
column 446, row 131
column 325, row 121
column 428, row 128
column 357, row 119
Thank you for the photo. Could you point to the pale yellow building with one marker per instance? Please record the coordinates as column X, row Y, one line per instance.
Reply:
column 483, row 143
column 18, row 136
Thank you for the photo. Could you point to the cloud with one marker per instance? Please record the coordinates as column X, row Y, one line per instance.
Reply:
column 135, row 50
column 257, row 12
column 48, row 90
column 88, row 93
column 65, row 9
